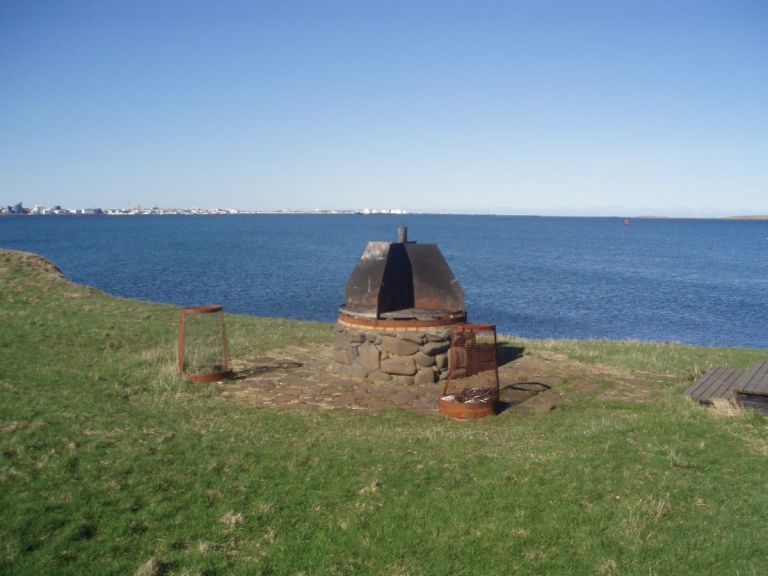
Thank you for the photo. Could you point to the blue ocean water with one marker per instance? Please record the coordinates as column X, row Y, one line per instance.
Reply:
column 693, row 281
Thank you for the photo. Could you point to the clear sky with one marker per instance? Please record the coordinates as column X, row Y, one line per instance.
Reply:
column 521, row 107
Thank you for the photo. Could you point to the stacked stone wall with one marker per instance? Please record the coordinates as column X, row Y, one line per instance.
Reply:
column 407, row 357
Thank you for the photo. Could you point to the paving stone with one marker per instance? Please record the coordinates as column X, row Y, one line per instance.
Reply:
column 401, row 365
column 259, row 386
column 334, row 388
column 426, row 404
column 260, row 360
column 398, row 346
column 290, row 391
column 349, row 400
column 543, row 402
column 294, row 380
column 377, row 403
column 404, row 396
column 358, row 371
column 342, row 356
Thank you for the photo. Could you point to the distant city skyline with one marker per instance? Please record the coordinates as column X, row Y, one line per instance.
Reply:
column 57, row 209
column 591, row 108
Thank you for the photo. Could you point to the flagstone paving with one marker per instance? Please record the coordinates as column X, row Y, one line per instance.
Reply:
column 304, row 378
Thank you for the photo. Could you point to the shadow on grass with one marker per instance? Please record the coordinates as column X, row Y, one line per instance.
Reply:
column 252, row 371
column 506, row 353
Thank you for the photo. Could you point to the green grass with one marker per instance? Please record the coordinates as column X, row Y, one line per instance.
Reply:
column 660, row 360
column 111, row 464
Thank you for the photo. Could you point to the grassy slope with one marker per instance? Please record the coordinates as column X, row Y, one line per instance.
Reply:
column 112, row 465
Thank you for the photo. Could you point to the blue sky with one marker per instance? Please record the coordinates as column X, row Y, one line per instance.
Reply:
column 586, row 108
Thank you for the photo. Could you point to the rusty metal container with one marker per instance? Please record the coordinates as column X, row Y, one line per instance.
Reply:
column 471, row 389
column 203, row 347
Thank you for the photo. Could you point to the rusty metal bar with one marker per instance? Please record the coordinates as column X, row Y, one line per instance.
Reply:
column 355, row 321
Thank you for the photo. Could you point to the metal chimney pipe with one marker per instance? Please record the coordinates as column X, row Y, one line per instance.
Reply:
column 402, row 234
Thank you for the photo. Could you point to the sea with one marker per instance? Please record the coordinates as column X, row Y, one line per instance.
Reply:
column 691, row 281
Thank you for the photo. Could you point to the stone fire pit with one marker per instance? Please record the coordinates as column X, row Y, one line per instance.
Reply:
column 400, row 304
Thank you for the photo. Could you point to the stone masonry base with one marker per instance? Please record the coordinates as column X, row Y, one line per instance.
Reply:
column 407, row 357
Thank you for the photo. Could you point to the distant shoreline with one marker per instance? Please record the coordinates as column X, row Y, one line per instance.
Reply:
column 198, row 212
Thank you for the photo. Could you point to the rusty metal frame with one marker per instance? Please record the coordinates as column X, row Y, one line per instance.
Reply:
column 467, row 359
column 225, row 361
column 355, row 321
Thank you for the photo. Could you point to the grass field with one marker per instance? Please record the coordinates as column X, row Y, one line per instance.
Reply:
column 111, row 464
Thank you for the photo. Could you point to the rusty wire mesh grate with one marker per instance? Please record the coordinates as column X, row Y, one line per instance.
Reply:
column 203, row 347
column 473, row 376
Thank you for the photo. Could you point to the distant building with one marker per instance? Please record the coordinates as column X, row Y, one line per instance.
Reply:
column 19, row 208
column 15, row 209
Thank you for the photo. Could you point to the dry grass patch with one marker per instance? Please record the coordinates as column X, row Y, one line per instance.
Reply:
column 232, row 519
column 722, row 408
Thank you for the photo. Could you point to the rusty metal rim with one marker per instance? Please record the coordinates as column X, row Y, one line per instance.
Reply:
column 463, row 411
column 467, row 327
column 396, row 324
column 208, row 309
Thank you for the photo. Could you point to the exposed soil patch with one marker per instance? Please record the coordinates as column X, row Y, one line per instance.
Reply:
column 303, row 377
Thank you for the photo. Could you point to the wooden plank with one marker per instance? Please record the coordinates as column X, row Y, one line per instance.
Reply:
column 726, row 388
column 699, row 387
column 716, row 382
column 721, row 387
column 754, row 380
column 748, row 377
